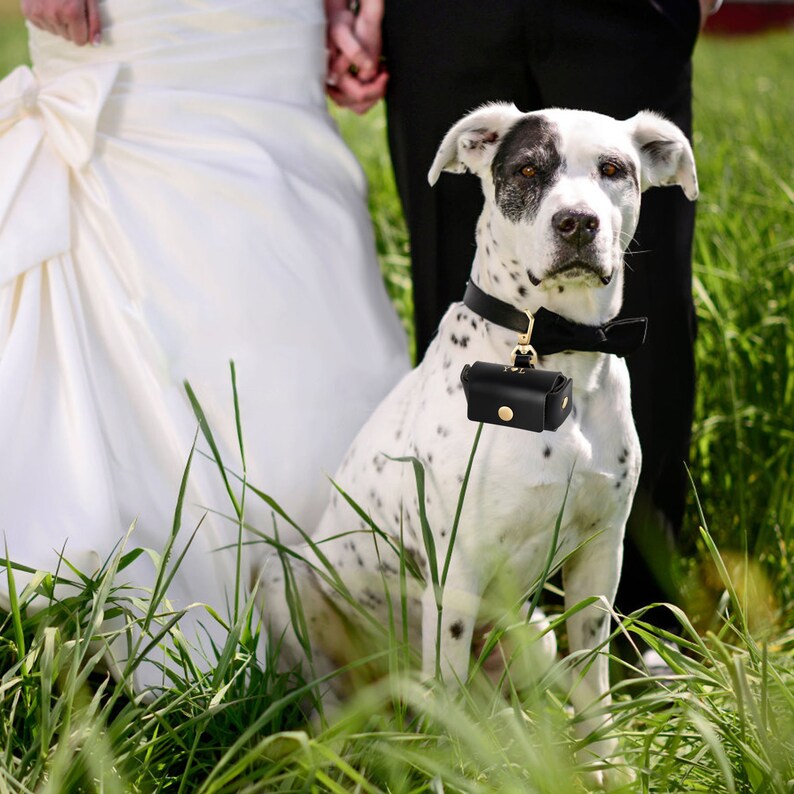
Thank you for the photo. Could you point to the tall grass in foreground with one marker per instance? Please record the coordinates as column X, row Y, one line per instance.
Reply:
column 721, row 720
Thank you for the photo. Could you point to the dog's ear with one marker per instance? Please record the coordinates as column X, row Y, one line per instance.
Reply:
column 665, row 154
column 471, row 143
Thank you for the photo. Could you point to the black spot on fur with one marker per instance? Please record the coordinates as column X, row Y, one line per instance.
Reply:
column 522, row 291
column 456, row 629
column 560, row 288
column 359, row 561
column 547, row 452
column 658, row 151
column 595, row 625
column 370, row 599
column 532, row 141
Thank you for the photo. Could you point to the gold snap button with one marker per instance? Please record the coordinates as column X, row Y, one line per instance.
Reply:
column 564, row 402
column 505, row 413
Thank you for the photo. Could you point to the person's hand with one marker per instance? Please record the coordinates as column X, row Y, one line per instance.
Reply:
column 75, row 20
column 356, row 79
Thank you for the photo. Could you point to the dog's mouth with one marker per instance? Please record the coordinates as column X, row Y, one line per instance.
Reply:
column 577, row 270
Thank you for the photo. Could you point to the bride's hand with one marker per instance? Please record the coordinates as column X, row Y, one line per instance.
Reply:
column 75, row 20
column 356, row 79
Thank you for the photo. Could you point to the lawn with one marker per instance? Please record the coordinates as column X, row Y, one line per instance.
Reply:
column 723, row 721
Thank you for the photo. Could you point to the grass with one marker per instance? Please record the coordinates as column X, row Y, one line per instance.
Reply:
column 723, row 721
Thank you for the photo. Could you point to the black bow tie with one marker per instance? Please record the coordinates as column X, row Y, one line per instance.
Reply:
column 553, row 334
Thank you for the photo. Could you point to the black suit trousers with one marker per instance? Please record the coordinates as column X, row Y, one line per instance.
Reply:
column 617, row 57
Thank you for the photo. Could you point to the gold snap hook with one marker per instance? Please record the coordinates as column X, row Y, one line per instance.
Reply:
column 524, row 347
column 523, row 339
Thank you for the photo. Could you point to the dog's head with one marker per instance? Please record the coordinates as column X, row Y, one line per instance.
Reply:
column 563, row 186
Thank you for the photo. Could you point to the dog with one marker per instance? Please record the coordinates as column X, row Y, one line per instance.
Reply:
column 562, row 196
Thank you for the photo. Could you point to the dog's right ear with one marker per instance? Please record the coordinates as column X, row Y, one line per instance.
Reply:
column 471, row 143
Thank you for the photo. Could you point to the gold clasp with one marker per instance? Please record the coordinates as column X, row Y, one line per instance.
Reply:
column 524, row 347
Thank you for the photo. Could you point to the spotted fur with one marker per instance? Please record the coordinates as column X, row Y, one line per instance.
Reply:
column 518, row 483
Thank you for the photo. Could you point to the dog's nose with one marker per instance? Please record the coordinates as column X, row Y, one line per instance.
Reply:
column 575, row 226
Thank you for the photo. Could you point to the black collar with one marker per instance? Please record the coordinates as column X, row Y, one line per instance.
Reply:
column 552, row 333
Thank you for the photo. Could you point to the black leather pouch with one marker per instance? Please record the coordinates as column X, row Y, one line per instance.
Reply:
column 522, row 397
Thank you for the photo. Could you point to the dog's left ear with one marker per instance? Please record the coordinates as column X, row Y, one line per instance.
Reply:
column 665, row 154
column 471, row 143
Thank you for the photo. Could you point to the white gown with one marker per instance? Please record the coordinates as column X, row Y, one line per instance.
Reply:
column 171, row 200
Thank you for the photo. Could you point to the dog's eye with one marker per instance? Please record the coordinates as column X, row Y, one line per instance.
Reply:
column 610, row 169
column 529, row 171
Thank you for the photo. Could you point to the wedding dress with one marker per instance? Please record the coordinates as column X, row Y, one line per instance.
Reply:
column 171, row 200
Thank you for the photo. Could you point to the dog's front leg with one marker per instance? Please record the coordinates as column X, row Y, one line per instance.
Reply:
column 594, row 571
column 447, row 637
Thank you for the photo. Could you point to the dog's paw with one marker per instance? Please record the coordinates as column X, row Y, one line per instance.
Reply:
column 613, row 772
column 619, row 776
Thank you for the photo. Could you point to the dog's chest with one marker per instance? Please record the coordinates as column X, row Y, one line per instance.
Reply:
column 518, row 482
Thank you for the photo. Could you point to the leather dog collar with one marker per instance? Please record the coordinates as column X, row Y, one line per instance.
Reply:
column 552, row 333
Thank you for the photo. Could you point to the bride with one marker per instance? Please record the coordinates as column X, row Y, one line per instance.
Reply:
column 172, row 199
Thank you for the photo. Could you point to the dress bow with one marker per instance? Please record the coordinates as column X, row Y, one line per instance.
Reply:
column 46, row 129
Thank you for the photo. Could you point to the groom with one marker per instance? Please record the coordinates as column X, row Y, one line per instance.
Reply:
column 615, row 57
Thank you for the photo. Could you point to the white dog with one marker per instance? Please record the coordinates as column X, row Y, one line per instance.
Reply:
column 562, row 197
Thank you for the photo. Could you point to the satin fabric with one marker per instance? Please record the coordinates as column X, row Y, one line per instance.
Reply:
column 171, row 200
